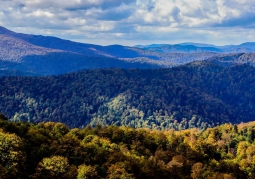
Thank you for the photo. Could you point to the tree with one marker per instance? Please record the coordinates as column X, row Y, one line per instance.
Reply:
column 117, row 171
column 87, row 172
column 12, row 157
column 55, row 167
column 196, row 171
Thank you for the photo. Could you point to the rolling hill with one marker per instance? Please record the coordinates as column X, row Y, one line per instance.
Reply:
column 199, row 94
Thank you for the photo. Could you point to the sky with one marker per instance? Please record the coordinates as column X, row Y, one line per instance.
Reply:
column 133, row 22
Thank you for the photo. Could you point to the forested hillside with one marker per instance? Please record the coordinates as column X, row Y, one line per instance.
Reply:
column 234, row 59
column 52, row 150
column 198, row 95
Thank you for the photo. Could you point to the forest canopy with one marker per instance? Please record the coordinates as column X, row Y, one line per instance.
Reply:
column 52, row 150
column 198, row 95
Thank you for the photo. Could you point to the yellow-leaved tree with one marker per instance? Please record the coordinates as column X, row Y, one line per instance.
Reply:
column 55, row 167
column 11, row 156
column 87, row 172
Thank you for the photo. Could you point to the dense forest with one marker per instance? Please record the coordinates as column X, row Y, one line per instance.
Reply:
column 53, row 151
column 197, row 95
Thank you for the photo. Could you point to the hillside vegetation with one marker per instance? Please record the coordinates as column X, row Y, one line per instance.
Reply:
column 52, row 150
column 198, row 95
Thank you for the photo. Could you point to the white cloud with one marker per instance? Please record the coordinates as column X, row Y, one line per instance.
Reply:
column 133, row 21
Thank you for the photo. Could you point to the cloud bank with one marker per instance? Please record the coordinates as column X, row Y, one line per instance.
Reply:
column 132, row 22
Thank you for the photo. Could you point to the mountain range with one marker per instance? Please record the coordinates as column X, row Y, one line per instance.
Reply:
column 81, row 84
column 24, row 54
column 189, row 47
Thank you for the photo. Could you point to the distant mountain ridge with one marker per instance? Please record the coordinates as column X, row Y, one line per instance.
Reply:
column 44, row 55
column 10, row 45
column 116, row 51
column 181, row 49
column 190, row 47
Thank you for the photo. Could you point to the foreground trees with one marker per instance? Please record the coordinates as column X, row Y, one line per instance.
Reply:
column 52, row 150
column 12, row 155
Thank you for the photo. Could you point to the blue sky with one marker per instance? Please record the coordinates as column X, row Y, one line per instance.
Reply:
column 131, row 22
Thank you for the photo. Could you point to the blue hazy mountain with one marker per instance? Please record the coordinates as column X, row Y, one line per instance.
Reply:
column 28, row 54
column 181, row 49
column 114, row 51
column 196, row 44
column 43, row 55
column 189, row 47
